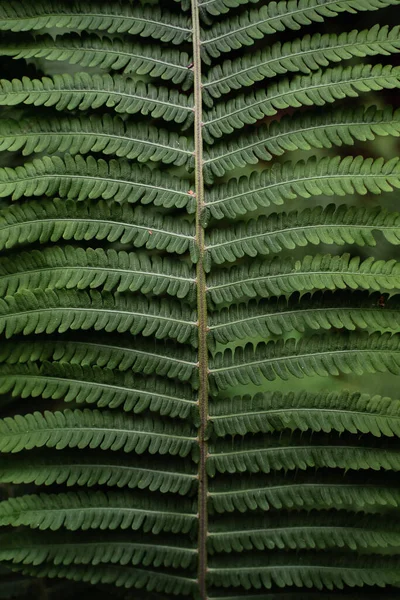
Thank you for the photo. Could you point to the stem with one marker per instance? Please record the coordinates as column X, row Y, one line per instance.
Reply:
column 201, row 306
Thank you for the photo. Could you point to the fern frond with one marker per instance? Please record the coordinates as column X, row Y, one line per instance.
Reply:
column 279, row 277
column 85, row 91
column 52, row 220
column 95, row 429
column 98, row 468
column 244, row 30
column 93, row 385
column 312, row 570
column 319, row 88
column 308, row 595
column 81, row 178
column 170, row 360
column 325, row 311
column 49, row 311
column 303, row 132
column 323, row 411
column 307, row 492
column 219, row 7
column 106, row 135
column 292, row 452
column 319, row 355
column 120, row 576
column 333, row 224
column 330, row 176
column 114, row 17
column 118, row 54
column 91, row 510
column 128, row 334
column 69, row 549
column 303, row 531
column 301, row 55
column 70, row 267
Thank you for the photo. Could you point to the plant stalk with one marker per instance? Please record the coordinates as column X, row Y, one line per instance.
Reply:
column 201, row 307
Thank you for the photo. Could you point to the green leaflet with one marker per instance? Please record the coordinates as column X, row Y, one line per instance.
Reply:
column 107, row 53
column 292, row 452
column 104, row 135
column 308, row 595
column 302, row 55
column 305, row 132
column 319, row 88
column 324, row 411
column 318, row 311
column 328, row 176
column 95, row 16
column 308, row 491
column 120, row 576
column 104, row 388
column 283, row 277
column 67, row 548
column 84, row 90
column 313, row 531
column 83, row 510
column 113, row 470
column 94, row 429
column 239, row 31
column 318, row 355
column 333, row 224
column 82, row 178
column 314, row 571
column 218, row 7
column 169, row 360
column 52, row 220
column 69, row 267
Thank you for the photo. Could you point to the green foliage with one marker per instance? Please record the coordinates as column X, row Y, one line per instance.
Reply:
column 199, row 299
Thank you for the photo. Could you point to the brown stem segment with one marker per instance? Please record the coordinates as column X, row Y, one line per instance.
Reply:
column 201, row 306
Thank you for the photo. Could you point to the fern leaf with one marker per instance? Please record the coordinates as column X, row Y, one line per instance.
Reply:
column 85, row 90
column 119, row 576
column 78, row 178
column 52, row 220
column 71, row 267
column 320, row 272
column 67, row 549
column 106, row 135
column 79, row 469
column 333, row 224
column 325, row 411
column 93, row 385
column 307, row 492
column 308, row 595
column 90, row 510
column 94, row 429
column 254, row 24
column 314, row 570
column 319, row 88
column 311, row 356
column 219, row 7
column 301, row 55
column 301, row 531
column 326, row 311
column 169, row 360
column 292, row 452
column 310, row 130
column 329, row 176
column 106, row 53
column 115, row 17
column 48, row 311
